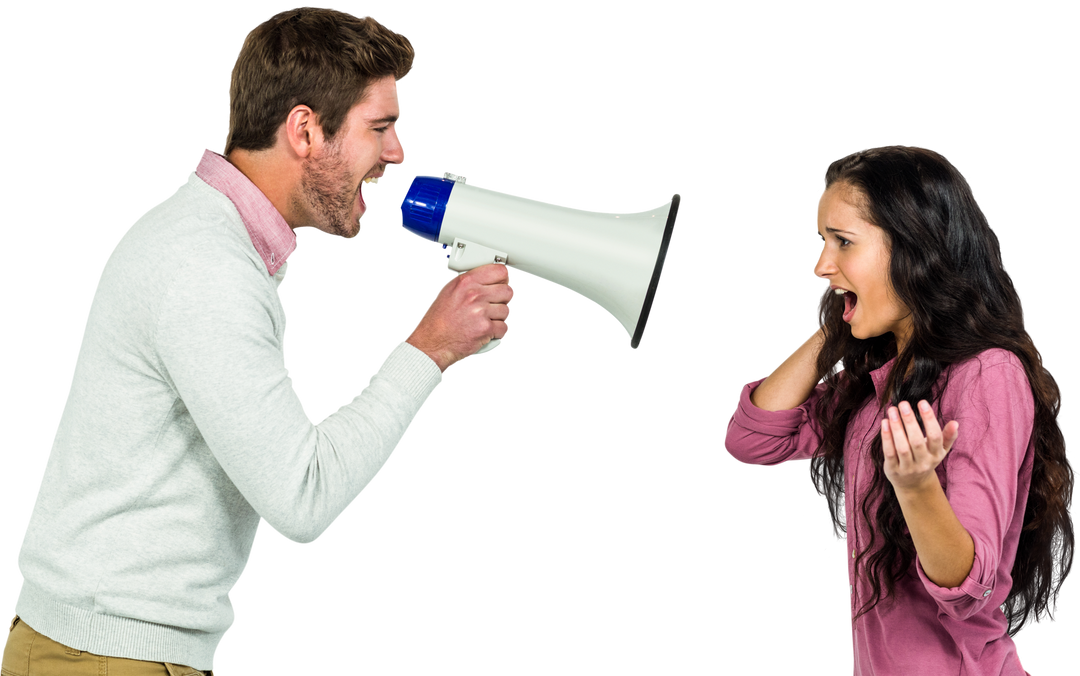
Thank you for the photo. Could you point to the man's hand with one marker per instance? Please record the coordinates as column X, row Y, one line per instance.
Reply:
column 469, row 311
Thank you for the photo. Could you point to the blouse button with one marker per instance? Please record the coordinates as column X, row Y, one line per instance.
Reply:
column 987, row 593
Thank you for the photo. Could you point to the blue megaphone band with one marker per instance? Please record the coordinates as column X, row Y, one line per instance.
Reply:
column 424, row 206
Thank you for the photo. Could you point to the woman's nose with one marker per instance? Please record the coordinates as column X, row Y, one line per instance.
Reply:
column 820, row 266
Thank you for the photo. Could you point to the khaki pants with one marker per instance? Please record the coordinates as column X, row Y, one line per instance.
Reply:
column 29, row 653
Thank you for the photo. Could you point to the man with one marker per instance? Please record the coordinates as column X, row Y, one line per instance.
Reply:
column 319, row 185
column 182, row 428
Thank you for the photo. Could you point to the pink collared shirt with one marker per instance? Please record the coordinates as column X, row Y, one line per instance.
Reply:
column 986, row 475
column 271, row 235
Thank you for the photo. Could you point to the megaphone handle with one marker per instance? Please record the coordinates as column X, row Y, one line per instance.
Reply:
column 490, row 345
column 465, row 256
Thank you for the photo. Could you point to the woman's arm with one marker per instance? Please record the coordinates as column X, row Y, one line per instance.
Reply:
column 791, row 384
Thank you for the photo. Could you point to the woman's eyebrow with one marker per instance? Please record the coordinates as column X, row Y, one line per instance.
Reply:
column 835, row 230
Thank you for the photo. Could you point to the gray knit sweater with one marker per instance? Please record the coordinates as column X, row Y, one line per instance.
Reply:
column 181, row 430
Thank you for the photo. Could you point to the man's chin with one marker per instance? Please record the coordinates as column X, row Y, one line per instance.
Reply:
column 348, row 235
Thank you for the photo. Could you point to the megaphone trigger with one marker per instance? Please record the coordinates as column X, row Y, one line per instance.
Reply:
column 466, row 255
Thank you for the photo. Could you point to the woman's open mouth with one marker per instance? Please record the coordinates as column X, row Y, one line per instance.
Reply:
column 850, row 301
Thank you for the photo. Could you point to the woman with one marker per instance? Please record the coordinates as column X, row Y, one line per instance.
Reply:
column 957, row 534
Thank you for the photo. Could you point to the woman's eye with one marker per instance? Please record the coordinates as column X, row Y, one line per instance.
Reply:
column 844, row 243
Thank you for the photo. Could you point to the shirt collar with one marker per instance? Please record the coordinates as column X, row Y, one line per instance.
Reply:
column 271, row 235
column 880, row 376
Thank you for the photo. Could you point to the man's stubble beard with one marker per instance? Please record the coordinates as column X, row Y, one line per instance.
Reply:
column 329, row 192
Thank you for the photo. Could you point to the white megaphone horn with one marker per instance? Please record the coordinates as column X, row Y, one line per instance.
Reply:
column 613, row 259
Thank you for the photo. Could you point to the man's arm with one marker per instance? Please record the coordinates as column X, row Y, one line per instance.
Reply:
column 441, row 359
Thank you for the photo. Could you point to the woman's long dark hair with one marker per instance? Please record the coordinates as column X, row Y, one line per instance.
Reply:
column 945, row 266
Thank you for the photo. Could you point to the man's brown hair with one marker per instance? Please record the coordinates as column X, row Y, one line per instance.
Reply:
column 321, row 58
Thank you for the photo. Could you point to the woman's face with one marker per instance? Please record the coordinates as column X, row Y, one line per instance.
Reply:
column 855, row 260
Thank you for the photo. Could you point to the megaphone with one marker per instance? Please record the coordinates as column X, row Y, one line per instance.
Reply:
column 612, row 259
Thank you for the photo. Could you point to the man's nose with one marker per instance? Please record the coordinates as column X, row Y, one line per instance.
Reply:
column 393, row 153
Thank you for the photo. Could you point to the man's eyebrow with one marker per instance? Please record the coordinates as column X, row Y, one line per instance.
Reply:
column 389, row 119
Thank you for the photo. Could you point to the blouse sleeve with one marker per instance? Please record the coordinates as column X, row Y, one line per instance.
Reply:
column 987, row 476
column 770, row 438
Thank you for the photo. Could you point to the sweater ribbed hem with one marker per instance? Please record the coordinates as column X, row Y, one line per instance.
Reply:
column 413, row 370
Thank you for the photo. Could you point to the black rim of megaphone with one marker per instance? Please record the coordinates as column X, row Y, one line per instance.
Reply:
column 656, row 272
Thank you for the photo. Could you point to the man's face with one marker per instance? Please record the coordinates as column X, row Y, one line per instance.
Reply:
column 333, row 176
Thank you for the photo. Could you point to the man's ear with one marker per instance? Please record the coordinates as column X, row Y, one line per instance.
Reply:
column 302, row 131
